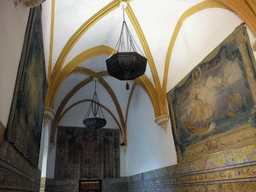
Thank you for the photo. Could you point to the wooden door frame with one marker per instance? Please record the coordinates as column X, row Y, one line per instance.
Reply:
column 88, row 181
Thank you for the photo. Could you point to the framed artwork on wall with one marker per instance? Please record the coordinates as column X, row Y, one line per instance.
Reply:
column 213, row 108
column 26, row 115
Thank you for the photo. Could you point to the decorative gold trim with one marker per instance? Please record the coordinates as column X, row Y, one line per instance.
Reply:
column 254, row 46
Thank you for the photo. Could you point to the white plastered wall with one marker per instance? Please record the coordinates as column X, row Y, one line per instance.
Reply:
column 149, row 147
column 13, row 22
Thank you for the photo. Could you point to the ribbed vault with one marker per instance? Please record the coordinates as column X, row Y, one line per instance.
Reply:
column 246, row 9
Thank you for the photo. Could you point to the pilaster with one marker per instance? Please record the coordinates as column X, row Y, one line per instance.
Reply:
column 44, row 149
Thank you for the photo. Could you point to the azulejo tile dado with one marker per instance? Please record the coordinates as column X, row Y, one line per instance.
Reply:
column 216, row 160
column 233, row 170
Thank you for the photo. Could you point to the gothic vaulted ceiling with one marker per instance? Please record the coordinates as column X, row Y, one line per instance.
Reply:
column 83, row 34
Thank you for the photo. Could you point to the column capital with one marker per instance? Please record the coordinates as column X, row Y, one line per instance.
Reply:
column 162, row 121
column 48, row 115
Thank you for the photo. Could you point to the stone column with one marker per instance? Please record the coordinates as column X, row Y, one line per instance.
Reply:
column 44, row 148
column 123, row 161
column 51, row 161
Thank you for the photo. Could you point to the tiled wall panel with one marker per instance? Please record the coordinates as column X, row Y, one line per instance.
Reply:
column 233, row 170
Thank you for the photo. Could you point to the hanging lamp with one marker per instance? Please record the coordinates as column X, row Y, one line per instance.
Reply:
column 126, row 64
column 94, row 118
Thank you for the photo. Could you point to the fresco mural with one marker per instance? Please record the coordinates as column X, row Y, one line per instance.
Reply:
column 212, row 107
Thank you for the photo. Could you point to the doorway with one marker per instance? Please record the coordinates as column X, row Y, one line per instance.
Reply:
column 90, row 186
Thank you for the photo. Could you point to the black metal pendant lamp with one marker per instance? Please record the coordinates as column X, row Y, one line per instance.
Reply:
column 126, row 64
column 94, row 118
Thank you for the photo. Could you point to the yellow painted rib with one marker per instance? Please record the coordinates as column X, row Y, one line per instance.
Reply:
column 252, row 4
column 77, row 88
column 156, row 94
column 62, row 105
column 199, row 7
column 58, row 77
column 51, row 41
column 148, row 87
column 115, row 100
column 144, row 44
column 89, row 100
column 64, row 73
column 90, row 72
column 246, row 10
column 79, row 33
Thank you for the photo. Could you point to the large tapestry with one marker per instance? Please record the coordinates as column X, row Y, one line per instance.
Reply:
column 212, row 108
column 87, row 154
column 26, row 115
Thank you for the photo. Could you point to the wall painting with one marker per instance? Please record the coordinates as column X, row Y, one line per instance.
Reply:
column 212, row 108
